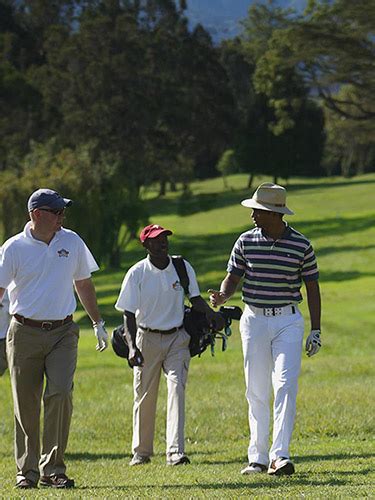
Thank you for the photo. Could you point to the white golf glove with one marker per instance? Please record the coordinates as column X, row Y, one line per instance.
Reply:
column 101, row 335
column 313, row 343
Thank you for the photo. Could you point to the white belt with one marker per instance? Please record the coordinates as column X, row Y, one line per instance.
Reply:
column 273, row 311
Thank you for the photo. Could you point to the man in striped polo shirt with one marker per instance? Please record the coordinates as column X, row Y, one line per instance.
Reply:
column 274, row 259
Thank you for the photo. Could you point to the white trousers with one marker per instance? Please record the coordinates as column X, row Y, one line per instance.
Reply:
column 170, row 354
column 272, row 347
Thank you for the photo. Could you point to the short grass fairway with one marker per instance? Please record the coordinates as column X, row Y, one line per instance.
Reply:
column 333, row 446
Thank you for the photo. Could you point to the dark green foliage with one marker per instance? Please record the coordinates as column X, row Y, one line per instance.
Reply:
column 122, row 92
column 280, row 141
column 102, row 98
column 331, row 45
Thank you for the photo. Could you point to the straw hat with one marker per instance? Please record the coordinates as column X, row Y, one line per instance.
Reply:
column 269, row 196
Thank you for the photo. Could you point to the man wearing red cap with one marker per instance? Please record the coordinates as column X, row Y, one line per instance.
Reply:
column 152, row 301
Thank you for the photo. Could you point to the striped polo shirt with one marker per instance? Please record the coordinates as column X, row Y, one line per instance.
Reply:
column 273, row 269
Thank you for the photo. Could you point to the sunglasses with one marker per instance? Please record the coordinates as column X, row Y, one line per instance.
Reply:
column 58, row 211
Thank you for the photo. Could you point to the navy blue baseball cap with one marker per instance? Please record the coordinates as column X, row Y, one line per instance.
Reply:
column 47, row 198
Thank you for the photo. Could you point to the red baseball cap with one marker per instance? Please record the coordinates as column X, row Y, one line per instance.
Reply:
column 152, row 231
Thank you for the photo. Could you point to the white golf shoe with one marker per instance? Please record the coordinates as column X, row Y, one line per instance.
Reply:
column 254, row 468
column 281, row 467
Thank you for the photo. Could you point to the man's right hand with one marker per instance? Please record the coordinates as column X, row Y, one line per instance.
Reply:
column 101, row 335
column 135, row 357
column 217, row 298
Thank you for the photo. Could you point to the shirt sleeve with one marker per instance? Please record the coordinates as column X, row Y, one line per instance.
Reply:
column 309, row 270
column 86, row 263
column 7, row 271
column 130, row 294
column 193, row 283
column 237, row 263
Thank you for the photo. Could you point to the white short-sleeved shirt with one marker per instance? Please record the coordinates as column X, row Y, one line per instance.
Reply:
column 39, row 277
column 4, row 316
column 154, row 295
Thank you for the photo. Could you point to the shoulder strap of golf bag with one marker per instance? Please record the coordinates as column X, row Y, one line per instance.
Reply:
column 195, row 322
column 180, row 267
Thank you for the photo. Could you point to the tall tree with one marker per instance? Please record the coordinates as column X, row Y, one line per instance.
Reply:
column 350, row 142
column 330, row 45
column 269, row 140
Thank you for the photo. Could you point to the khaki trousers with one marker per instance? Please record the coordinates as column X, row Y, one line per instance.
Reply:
column 3, row 357
column 34, row 355
column 169, row 353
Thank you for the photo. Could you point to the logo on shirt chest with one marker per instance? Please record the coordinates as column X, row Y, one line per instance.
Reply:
column 63, row 253
column 176, row 286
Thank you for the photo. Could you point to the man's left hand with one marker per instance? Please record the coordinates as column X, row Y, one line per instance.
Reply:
column 313, row 343
column 101, row 334
column 217, row 298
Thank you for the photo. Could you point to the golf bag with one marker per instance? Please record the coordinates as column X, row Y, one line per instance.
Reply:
column 119, row 343
column 202, row 334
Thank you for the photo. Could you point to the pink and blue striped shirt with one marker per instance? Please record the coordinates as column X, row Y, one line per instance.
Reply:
column 273, row 270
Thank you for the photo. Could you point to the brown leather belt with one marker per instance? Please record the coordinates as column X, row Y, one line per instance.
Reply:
column 163, row 332
column 44, row 325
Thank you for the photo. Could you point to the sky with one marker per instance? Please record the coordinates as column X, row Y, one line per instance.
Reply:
column 221, row 17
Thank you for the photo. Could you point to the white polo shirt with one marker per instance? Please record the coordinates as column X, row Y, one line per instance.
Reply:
column 154, row 295
column 4, row 316
column 39, row 277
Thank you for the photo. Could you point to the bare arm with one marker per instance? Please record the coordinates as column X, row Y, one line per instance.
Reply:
column 135, row 357
column 86, row 292
column 130, row 327
column 227, row 289
column 314, row 303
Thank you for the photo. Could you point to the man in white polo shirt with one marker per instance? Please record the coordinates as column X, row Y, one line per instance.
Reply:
column 152, row 301
column 40, row 268
column 4, row 324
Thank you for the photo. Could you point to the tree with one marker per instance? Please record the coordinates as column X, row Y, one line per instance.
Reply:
column 227, row 165
column 350, row 143
column 95, row 185
column 270, row 140
column 19, row 99
column 132, row 82
column 331, row 45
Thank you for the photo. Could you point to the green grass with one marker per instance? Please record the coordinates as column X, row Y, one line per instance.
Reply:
column 333, row 443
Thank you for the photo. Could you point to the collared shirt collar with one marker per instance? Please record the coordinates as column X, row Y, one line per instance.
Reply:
column 285, row 234
column 27, row 234
column 156, row 269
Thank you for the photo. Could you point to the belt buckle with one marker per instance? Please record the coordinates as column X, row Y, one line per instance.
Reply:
column 278, row 311
column 268, row 311
column 47, row 325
